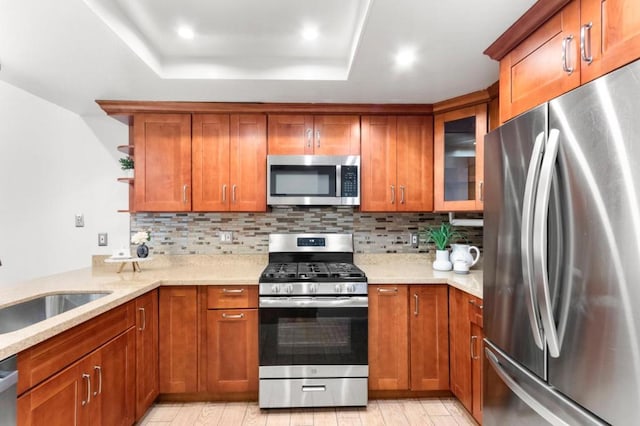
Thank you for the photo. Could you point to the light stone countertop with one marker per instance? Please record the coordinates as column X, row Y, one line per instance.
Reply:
column 191, row 270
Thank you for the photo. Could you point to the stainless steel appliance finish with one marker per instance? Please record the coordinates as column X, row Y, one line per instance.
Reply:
column 562, row 244
column 313, row 180
column 24, row 314
column 8, row 392
column 313, row 327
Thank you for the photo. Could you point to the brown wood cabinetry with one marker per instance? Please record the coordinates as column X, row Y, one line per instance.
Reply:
column 178, row 320
column 459, row 159
column 397, row 163
column 147, row 374
column 582, row 41
column 314, row 134
column 408, row 338
column 466, row 350
column 163, row 162
column 232, row 339
column 229, row 162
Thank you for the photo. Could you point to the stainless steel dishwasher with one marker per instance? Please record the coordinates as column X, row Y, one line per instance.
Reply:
column 8, row 395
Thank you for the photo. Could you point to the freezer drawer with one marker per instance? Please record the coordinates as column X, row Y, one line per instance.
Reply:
column 514, row 396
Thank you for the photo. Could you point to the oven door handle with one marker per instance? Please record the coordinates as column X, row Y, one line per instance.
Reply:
column 315, row 302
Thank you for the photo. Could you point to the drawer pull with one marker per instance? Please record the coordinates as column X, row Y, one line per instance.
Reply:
column 232, row 316
column 473, row 302
column 388, row 290
column 87, row 377
column 233, row 291
column 99, row 370
column 143, row 315
column 314, row 388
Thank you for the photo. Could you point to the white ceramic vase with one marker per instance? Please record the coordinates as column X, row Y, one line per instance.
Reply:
column 442, row 262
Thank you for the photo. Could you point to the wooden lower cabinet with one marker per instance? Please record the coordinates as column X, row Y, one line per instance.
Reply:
column 477, row 355
column 147, row 374
column 408, row 338
column 178, row 341
column 98, row 389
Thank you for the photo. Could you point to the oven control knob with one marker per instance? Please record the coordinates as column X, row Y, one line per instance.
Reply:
column 338, row 288
column 288, row 288
column 313, row 288
column 351, row 288
column 275, row 288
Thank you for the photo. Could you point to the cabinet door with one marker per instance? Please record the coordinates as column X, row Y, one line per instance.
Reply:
column 336, row 135
column 477, row 351
column 290, row 134
column 388, row 338
column 378, row 164
column 178, row 339
column 113, row 381
column 459, row 159
column 614, row 37
column 163, row 162
column 232, row 350
column 248, row 163
column 459, row 338
column 414, row 163
column 533, row 72
column 147, row 374
column 210, row 162
column 429, row 320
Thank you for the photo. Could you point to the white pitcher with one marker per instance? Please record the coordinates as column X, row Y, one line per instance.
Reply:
column 462, row 252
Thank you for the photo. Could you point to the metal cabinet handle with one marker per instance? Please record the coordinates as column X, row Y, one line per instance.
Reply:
column 584, row 43
column 314, row 388
column 566, row 42
column 393, row 290
column 318, row 138
column 87, row 377
column 184, row 193
column 233, row 291
column 393, row 194
column 417, row 300
column 472, row 346
column 473, row 302
column 401, row 194
column 99, row 370
column 309, row 137
column 233, row 193
column 143, row 316
column 232, row 316
column 481, row 190
column 224, row 193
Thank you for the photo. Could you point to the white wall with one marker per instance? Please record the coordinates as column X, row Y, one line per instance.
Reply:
column 54, row 164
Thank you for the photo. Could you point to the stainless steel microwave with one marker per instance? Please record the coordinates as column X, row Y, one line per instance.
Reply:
column 313, row 180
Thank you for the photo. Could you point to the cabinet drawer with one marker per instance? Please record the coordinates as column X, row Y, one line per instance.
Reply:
column 232, row 296
column 475, row 310
column 47, row 358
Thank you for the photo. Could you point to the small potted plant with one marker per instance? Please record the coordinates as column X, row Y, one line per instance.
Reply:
column 126, row 164
column 441, row 236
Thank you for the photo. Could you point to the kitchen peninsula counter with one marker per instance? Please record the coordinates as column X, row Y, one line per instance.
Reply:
column 191, row 270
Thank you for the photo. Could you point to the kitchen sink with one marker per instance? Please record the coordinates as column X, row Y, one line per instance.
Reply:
column 26, row 313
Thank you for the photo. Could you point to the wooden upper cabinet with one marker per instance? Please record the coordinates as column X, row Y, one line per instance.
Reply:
column 314, row 134
column 534, row 72
column 614, row 37
column 229, row 162
column 163, row 162
column 397, row 163
column 459, row 159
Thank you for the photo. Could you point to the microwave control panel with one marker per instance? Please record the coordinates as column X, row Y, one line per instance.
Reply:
column 349, row 176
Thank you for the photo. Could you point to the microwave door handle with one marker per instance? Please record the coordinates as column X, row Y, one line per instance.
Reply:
column 526, row 240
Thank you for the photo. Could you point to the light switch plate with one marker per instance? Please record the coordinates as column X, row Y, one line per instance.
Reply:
column 79, row 220
column 103, row 239
column 226, row 237
column 413, row 239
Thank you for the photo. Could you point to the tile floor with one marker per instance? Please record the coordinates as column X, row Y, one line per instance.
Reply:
column 428, row 411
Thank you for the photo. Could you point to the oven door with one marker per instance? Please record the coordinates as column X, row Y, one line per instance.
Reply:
column 313, row 337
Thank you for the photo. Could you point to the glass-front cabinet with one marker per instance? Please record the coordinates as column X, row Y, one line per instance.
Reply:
column 458, row 159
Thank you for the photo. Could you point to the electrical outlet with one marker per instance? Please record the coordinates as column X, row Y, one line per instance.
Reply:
column 226, row 237
column 79, row 220
column 413, row 239
column 103, row 239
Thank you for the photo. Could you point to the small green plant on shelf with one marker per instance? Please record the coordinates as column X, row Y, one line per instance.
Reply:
column 126, row 163
column 441, row 236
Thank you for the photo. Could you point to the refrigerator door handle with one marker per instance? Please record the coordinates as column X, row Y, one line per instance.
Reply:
column 540, row 225
column 515, row 387
column 526, row 238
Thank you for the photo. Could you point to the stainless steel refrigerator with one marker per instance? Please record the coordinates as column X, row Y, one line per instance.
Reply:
column 562, row 259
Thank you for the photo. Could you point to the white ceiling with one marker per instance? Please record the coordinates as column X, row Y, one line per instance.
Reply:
column 72, row 52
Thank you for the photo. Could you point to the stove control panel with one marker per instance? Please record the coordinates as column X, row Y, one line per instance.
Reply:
column 306, row 288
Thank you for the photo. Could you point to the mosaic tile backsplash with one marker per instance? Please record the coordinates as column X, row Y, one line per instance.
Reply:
column 198, row 233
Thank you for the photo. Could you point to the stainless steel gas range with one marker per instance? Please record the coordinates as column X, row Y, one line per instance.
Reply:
column 313, row 323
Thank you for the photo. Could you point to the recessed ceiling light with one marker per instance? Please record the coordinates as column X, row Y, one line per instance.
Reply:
column 186, row 32
column 310, row 32
column 405, row 58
